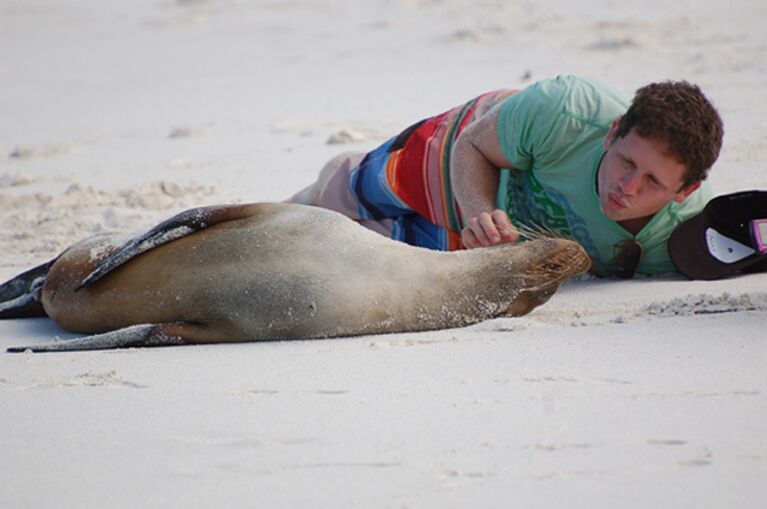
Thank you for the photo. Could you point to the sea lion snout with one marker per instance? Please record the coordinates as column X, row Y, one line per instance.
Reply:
column 567, row 258
column 552, row 262
column 554, row 258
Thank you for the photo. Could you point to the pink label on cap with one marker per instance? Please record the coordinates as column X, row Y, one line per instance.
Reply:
column 760, row 234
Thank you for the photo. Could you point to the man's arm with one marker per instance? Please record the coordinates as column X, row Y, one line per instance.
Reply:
column 474, row 173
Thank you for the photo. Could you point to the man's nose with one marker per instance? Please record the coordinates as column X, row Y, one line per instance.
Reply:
column 630, row 182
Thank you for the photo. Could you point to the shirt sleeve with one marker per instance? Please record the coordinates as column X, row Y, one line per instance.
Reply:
column 526, row 120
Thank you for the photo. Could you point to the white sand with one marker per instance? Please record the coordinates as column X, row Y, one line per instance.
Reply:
column 643, row 393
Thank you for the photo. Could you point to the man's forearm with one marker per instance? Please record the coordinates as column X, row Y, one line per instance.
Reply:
column 474, row 174
column 474, row 179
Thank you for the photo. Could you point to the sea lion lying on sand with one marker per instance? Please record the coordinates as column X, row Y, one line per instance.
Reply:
column 277, row 271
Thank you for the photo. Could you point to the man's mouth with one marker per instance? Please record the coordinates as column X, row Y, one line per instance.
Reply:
column 617, row 201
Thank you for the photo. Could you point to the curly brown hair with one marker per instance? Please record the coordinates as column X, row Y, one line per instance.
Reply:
column 677, row 114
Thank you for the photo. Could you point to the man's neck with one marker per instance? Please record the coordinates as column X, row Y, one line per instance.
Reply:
column 634, row 226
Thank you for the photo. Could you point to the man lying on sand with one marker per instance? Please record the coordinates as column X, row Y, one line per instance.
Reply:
column 566, row 156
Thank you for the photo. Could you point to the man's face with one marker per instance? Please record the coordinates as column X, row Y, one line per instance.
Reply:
column 637, row 178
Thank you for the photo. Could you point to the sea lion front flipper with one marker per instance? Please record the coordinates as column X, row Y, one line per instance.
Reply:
column 148, row 334
column 20, row 296
column 176, row 227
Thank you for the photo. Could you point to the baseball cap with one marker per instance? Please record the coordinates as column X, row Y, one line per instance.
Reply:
column 728, row 237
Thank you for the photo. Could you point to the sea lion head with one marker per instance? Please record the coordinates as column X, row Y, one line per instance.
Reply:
column 546, row 264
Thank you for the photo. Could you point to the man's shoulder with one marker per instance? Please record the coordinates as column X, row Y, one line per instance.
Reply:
column 577, row 97
column 575, row 84
column 591, row 99
column 554, row 117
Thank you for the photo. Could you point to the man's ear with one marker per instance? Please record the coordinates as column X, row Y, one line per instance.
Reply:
column 685, row 192
column 611, row 135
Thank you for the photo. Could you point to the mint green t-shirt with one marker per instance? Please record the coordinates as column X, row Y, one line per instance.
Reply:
column 553, row 134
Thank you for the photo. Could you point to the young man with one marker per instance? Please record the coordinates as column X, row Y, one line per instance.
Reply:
column 566, row 156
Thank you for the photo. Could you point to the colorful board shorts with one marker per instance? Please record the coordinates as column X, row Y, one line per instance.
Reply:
column 377, row 188
column 402, row 188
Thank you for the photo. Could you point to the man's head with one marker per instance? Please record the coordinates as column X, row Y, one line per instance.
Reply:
column 659, row 151
column 681, row 119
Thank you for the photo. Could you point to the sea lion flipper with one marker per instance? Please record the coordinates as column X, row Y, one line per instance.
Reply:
column 20, row 296
column 176, row 227
column 151, row 334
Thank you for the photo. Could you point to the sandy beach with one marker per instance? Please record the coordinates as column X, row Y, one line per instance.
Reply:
column 650, row 392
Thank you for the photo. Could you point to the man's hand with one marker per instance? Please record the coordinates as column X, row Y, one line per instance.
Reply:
column 489, row 229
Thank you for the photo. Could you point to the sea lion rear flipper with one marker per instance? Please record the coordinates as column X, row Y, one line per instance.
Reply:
column 20, row 296
column 176, row 227
column 151, row 334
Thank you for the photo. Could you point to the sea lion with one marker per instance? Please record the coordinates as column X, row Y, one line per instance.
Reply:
column 277, row 271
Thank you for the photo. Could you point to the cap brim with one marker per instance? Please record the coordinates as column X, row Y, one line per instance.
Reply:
column 690, row 255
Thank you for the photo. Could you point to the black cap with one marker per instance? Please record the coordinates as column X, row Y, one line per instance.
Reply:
column 728, row 237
